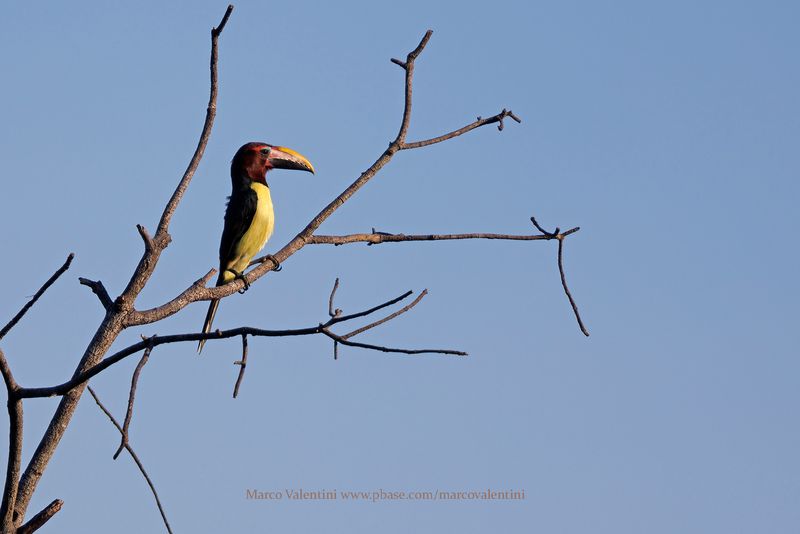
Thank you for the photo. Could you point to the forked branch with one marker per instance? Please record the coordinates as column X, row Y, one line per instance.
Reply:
column 321, row 328
column 121, row 313
column 558, row 234
column 116, row 317
column 14, row 446
column 135, row 458
column 375, row 238
column 265, row 265
column 131, row 397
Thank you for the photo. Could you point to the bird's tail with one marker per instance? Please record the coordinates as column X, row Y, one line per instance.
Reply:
column 212, row 311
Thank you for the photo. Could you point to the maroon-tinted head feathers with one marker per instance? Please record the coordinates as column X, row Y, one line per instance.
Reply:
column 253, row 160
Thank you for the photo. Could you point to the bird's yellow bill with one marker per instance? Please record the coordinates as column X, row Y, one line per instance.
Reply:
column 282, row 157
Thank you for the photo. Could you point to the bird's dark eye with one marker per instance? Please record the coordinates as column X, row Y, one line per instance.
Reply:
column 265, row 151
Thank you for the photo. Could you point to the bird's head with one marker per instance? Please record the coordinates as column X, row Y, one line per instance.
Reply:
column 253, row 160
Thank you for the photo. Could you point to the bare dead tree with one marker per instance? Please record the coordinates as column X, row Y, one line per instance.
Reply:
column 121, row 313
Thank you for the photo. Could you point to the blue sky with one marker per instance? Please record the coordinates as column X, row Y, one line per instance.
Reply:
column 668, row 132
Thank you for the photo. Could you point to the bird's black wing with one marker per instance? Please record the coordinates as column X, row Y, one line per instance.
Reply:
column 238, row 216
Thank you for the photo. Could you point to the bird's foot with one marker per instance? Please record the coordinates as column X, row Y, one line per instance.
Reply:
column 240, row 276
column 275, row 261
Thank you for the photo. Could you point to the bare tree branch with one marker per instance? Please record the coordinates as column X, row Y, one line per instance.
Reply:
column 557, row 234
column 242, row 365
column 121, row 313
column 149, row 244
column 342, row 318
column 156, row 245
column 376, row 238
column 267, row 263
column 408, row 66
column 37, row 521
column 387, row 318
column 566, row 289
column 98, row 289
column 115, row 321
column 131, row 396
column 331, row 311
column 381, row 348
column 14, row 320
column 461, row 131
column 152, row 342
column 135, row 459
column 14, row 446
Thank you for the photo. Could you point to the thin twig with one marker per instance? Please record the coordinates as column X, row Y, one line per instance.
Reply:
column 343, row 318
column 408, row 66
column 376, row 238
column 242, row 365
column 321, row 328
column 387, row 318
column 566, row 289
column 331, row 311
column 135, row 459
column 461, row 131
column 548, row 235
column 148, row 241
column 14, row 320
column 560, row 236
column 131, row 396
column 37, row 521
column 98, row 289
column 381, row 348
column 215, row 32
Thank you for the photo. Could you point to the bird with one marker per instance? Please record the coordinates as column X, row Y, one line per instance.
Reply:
column 249, row 216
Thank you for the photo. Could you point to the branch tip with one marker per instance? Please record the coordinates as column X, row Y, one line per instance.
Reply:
column 218, row 30
column 416, row 52
column 331, row 312
column 566, row 289
column 148, row 240
column 37, row 521
column 560, row 236
column 150, row 341
column 98, row 289
column 50, row 281
column 135, row 458
column 388, row 317
column 242, row 365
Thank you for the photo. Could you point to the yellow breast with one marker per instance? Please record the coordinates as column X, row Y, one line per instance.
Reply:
column 256, row 235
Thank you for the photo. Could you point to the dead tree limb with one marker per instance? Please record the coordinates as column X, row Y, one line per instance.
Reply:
column 98, row 289
column 14, row 446
column 136, row 460
column 37, row 521
column 14, row 320
column 76, row 381
column 560, row 236
column 116, row 320
column 242, row 366
column 196, row 292
column 376, row 238
column 131, row 396
column 121, row 312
